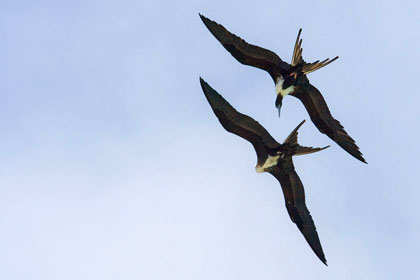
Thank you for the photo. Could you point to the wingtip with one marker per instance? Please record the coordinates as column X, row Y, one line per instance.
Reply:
column 322, row 258
column 357, row 155
column 361, row 158
column 202, row 81
column 204, row 86
column 203, row 18
column 209, row 92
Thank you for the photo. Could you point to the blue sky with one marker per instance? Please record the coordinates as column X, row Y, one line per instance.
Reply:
column 114, row 166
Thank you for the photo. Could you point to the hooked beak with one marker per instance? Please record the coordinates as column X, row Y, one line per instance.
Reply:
column 279, row 101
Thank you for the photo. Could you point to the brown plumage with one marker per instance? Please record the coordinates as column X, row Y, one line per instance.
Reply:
column 281, row 168
column 291, row 79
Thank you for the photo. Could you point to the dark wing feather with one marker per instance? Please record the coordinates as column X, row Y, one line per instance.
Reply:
column 324, row 121
column 244, row 52
column 237, row 123
column 294, row 196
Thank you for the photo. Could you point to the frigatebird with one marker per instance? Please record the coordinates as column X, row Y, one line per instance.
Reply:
column 289, row 79
column 274, row 158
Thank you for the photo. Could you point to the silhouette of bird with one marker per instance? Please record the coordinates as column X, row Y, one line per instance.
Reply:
column 274, row 158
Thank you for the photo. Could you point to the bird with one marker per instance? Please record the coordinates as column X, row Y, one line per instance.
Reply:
column 290, row 79
column 274, row 158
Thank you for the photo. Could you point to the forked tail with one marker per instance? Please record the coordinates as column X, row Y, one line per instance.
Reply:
column 307, row 67
column 292, row 140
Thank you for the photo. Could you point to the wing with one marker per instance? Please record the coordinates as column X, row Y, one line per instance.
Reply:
column 294, row 196
column 246, row 53
column 237, row 123
column 324, row 121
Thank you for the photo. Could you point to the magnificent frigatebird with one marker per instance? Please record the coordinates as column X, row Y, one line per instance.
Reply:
column 289, row 79
column 274, row 158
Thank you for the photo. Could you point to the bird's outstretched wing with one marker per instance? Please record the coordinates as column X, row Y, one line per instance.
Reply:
column 237, row 123
column 324, row 121
column 294, row 196
column 244, row 52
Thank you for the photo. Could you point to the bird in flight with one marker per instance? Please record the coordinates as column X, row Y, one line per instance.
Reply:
column 289, row 79
column 274, row 158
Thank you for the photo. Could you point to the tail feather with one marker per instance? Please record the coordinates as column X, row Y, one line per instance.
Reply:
column 301, row 150
column 292, row 140
column 297, row 51
column 310, row 67
column 298, row 59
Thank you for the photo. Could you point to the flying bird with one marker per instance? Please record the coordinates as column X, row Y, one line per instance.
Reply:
column 289, row 79
column 274, row 158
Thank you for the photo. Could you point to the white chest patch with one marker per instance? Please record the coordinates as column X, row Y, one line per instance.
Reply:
column 269, row 162
column 280, row 90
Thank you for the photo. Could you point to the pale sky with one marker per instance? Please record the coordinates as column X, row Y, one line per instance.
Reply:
column 114, row 166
